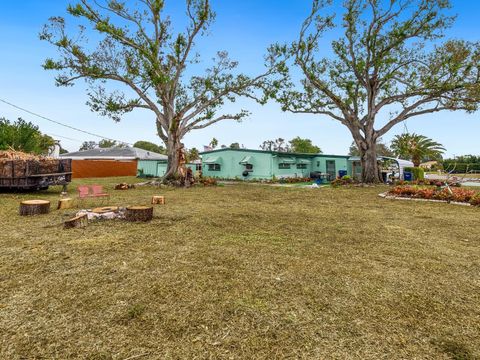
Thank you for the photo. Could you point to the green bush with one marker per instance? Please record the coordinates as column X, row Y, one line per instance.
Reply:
column 459, row 167
column 418, row 173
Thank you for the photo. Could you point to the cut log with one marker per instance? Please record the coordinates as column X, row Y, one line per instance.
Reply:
column 124, row 186
column 139, row 213
column 158, row 200
column 34, row 207
column 76, row 222
column 65, row 203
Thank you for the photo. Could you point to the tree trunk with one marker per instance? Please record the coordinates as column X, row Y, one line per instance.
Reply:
column 173, row 147
column 416, row 162
column 367, row 145
column 368, row 158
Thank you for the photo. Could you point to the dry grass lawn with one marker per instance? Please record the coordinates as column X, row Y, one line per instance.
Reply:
column 243, row 272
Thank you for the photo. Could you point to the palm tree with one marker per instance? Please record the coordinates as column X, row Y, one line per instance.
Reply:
column 416, row 148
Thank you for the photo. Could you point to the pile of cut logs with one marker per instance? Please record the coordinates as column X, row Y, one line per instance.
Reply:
column 19, row 155
column 124, row 186
column 130, row 213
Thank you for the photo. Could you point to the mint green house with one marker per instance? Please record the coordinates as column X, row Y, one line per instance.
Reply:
column 151, row 168
column 250, row 164
column 158, row 168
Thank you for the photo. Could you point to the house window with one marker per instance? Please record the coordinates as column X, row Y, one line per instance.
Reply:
column 213, row 167
column 283, row 166
column 198, row 167
column 318, row 164
column 249, row 167
column 301, row 166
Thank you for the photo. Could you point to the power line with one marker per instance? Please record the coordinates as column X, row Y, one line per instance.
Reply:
column 62, row 124
column 63, row 137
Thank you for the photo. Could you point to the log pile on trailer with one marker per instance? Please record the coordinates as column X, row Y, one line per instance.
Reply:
column 19, row 170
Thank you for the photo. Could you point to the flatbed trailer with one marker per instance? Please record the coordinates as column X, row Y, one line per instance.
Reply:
column 34, row 174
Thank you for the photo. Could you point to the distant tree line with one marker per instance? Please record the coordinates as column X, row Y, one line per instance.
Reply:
column 462, row 164
column 297, row 145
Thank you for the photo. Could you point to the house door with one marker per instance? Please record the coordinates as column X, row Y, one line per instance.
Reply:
column 331, row 171
column 357, row 170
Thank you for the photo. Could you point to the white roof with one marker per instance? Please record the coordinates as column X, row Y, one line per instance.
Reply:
column 115, row 153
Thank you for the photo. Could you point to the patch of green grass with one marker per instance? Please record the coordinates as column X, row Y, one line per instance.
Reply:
column 135, row 311
column 242, row 271
column 455, row 350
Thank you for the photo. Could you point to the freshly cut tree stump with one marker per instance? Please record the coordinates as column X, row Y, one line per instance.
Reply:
column 105, row 209
column 65, row 203
column 139, row 213
column 158, row 200
column 34, row 207
column 76, row 222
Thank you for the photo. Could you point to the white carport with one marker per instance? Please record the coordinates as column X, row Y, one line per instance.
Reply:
column 401, row 164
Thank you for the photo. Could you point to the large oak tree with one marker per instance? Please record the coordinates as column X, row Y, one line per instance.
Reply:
column 139, row 61
column 389, row 65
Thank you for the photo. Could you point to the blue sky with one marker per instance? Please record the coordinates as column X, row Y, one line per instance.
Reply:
column 244, row 28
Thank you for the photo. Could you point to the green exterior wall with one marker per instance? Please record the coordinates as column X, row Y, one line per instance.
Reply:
column 266, row 164
column 156, row 168
column 151, row 168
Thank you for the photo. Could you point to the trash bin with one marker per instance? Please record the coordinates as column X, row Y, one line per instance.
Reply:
column 319, row 181
column 407, row 176
column 342, row 173
column 384, row 177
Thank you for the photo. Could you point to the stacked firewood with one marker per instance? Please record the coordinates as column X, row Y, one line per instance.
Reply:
column 124, row 186
column 19, row 164
column 11, row 154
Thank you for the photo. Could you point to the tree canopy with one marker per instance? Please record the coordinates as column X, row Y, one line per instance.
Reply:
column 417, row 148
column 136, row 47
column 389, row 62
column 88, row 145
column 300, row 145
column 149, row 146
column 382, row 149
column 275, row 145
column 24, row 136
column 297, row 144
column 193, row 154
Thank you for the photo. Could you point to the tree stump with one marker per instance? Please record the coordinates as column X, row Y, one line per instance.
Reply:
column 105, row 209
column 158, row 200
column 34, row 207
column 139, row 213
column 65, row 203
column 76, row 222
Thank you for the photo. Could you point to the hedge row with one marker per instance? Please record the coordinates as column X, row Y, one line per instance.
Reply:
column 460, row 168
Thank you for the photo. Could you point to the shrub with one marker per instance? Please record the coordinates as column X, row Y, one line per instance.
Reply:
column 475, row 200
column 456, row 194
column 209, row 181
column 346, row 180
column 460, row 167
column 418, row 172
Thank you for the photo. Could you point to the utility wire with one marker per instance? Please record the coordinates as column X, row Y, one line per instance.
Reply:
column 62, row 124
column 63, row 137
